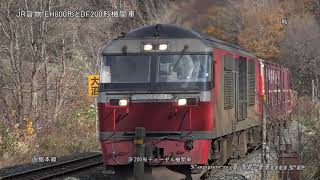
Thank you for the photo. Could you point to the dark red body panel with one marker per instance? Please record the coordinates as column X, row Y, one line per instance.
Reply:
column 156, row 116
column 277, row 88
column 124, row 149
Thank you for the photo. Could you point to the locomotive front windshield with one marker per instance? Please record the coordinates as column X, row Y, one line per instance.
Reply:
column 183, row 68
column 180, row 70
column 127, row 69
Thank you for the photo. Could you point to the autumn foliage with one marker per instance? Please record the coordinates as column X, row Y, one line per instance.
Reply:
column 255, row 25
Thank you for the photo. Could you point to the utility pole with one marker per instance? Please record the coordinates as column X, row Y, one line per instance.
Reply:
column 264, row 139
column 313, row 91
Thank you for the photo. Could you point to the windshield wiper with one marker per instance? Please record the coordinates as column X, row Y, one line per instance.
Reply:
column 181, row 55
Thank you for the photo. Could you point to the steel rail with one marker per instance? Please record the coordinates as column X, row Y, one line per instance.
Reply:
column 58, row 169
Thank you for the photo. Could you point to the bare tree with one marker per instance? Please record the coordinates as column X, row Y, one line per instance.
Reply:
column 40, row 54
column 301, row 51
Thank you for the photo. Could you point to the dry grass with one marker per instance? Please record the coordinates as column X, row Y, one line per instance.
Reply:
column 308, row 114
column 73, row 132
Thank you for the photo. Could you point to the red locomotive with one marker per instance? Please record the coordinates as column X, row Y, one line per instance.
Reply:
column 198, row 98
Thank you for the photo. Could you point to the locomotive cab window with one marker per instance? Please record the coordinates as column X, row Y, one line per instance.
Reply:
column 184, row 68
column 126, row 69
column 157, row 71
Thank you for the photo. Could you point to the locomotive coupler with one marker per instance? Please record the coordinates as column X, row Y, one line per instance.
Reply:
column 188, row 145
column 138, row 167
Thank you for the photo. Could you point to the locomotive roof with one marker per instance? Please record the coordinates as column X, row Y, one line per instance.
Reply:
column 162, row 31
column 169, row 31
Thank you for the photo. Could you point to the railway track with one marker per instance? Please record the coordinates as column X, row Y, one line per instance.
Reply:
column 211, row 174
column 58, row 169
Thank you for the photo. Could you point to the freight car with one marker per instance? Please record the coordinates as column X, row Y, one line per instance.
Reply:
column 199, row 98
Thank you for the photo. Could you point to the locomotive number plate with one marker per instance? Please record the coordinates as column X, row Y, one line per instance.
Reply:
column 151, row 96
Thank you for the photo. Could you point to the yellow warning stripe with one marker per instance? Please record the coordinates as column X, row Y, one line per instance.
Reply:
column 138, row 141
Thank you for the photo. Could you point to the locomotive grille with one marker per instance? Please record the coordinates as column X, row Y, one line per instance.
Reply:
column 228, row 82
column 243, row 88
column 251, row 90
column 228, row 90
column 251, row 83
column 243, row 113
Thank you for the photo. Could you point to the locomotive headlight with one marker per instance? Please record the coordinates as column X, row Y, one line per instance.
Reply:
column 147, row 47
column 123, row 102
column 118, row 102
column 163, row 47
column 182, row 102
column 192, row 101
